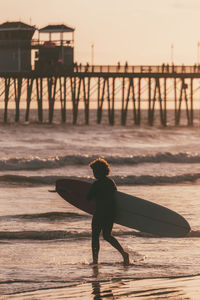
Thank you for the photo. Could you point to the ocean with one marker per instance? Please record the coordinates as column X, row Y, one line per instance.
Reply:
column 45, row 243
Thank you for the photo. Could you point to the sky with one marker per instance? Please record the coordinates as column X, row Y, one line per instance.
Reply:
column 141, row 32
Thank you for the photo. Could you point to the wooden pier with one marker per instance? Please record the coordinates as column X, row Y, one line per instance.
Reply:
column 135, row 86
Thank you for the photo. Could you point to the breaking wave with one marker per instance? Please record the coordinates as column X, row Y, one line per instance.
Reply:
column 36, row 163
column 120, row 180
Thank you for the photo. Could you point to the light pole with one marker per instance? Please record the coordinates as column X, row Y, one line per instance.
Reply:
column 92, row 54
column 198, row 47
column 172, row 53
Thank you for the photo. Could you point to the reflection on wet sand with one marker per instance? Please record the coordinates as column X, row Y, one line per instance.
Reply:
column 178, row 288
column 96, row 286
column 173, row 288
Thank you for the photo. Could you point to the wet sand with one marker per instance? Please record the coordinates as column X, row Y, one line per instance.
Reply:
column 152, row 288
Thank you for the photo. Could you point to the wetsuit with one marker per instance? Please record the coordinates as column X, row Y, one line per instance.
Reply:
column 102, row 191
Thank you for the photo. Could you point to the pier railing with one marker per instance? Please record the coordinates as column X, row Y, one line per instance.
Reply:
column 165, row 68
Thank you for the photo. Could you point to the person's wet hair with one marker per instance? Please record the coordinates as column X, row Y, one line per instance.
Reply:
column 101, row 166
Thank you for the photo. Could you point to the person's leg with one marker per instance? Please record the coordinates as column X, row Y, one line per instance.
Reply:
column 107, row 229
column 96, row 229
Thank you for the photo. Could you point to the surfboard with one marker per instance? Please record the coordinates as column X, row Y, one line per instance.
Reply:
column 131, row 211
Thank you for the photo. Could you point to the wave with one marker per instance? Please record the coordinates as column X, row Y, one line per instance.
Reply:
column 42, row 235
column 194, row 233
column 120, row 180
column 61, row 234
column 49, row 216
column 36, row 163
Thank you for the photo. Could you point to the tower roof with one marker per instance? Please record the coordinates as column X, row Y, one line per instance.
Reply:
column 10, row 26
column 56, row 29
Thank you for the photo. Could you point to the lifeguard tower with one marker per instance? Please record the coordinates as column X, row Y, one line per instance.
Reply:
column 15, row 47
column 55, row 54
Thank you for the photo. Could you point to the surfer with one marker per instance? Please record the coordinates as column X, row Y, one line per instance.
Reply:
column 102, row 191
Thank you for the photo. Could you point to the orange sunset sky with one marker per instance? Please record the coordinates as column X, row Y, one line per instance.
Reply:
column 137, row 31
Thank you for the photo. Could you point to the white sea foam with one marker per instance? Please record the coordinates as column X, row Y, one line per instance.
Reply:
column 36, row 163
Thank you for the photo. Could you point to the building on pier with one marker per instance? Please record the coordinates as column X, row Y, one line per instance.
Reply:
column 15, row 46
column 55, row 54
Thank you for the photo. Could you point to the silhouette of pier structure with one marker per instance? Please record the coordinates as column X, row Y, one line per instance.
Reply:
column 135, row 86
column 55, row 77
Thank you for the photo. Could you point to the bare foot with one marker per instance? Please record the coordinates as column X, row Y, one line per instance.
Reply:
column 126, row 259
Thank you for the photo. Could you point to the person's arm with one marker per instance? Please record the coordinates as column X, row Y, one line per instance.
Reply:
column 91, row 193
column 112, row 187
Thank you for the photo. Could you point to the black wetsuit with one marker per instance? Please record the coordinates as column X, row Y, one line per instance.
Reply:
column 102, row 191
